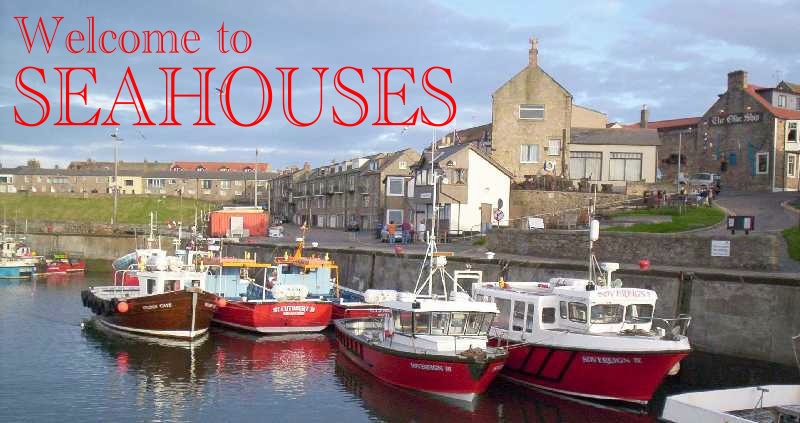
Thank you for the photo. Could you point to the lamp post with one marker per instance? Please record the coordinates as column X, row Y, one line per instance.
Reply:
column 116, row 139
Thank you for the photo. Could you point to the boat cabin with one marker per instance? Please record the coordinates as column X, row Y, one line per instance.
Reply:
column 563, row 304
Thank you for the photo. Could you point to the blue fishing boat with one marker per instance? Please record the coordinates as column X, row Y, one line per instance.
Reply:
column 16, row 269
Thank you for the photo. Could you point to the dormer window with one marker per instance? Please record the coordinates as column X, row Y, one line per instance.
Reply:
column 200, row 169
column 248, row 169
column 177, row 169
column 373, row 165
column 224, row 169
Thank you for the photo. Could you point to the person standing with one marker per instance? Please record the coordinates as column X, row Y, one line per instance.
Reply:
column 391, row 230
column 406, row 232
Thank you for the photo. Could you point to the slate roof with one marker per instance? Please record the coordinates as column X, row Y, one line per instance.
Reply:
column 615, row 136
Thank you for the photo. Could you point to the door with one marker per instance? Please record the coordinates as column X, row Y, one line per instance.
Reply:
column 237, row 225
column 486, row 215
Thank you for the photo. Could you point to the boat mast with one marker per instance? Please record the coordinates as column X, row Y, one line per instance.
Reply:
column 435, row 217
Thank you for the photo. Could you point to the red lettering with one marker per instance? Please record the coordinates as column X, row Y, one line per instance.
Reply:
column 136, row 101
column 103, row 42
column 247, row 41
column 362, row 104
column 448, row 100
column 70, row 39
column 47, row 40
column 160, row 40
column 64, row 75
column 286, row 84
column 383, row 97
column 185, row 41
column 40, row 101
column 266, row 96
column 169, row 118
column 221, row 38
column 135, row 42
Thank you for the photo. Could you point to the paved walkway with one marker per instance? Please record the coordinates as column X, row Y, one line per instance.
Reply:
column 766, row 207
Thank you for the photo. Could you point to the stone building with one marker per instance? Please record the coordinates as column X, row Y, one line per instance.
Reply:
column 532, row 115
column 282, row 192
column 357, row 193
column 748, row 136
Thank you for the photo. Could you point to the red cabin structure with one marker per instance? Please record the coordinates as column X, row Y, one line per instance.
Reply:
column 238, row 222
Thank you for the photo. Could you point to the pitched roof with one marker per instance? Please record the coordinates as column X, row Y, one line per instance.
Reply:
column 668, row 123
column 776, row 111
column 216, row 166
column 615, row 136
column 162, row 174
column 475, row 134
column 445, row 152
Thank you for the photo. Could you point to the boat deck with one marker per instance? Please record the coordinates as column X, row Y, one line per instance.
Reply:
column 777, row 414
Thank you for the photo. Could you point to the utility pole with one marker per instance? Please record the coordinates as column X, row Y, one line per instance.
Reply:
column 116, row 140
column 680, row 142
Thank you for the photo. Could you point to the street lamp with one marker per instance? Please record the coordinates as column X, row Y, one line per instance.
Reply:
column 680, row 147
column 116, row 139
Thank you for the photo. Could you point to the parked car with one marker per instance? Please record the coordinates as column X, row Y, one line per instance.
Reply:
column 353, row 226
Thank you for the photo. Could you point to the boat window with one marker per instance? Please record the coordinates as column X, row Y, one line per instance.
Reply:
column 504, row 314
column 402, row 322
column 531, row 318
column 607, row 313
column 286, row 270
column 196, row 283
column 577, row 312
column 457, row 322
column 422, row 323
column 474, row 323
column 639, row 313
column 151, row 286
column 172, row 285
column 487, row 323
column 439, row 322
column 549, row 315
column 562, row 308
column 519, row 315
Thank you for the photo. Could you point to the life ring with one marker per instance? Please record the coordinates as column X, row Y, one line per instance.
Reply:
column 549, row 165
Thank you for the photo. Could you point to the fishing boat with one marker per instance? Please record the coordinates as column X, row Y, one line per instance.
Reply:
column 60, row 263
column 169, row 300
column 751, row 404
column 351, row 303
column 291, row 295
column 433, row 342
column 16, row 269
column 17, row 261
column 585, row 337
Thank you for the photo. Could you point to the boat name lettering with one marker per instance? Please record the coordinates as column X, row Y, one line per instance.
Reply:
column 294, row 310
column 156, row 306
column 611, row 360
column 209, row 305
column 431, row 367
column 623, row 292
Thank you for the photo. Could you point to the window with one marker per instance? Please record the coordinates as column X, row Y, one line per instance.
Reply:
column 529, row 153
column 6, row 179
column 460, row 176
column 519, row 315
column 394, row 215
column 625, row 167
column 394, row 186
column 554, row 147
column 549, row 315
column 155, row 183
column 402, row 321
column 607, row 313
column 237, row 183
column 373, row 165
column 206, row 183
column 791, row 134
column 577, row 312
column 440, row 321
column 365, row 201
column 422, row 323
column 225, row 184
column 151, row 286
column 791, row 163
column 762, row 163
column 504, row 307
column 782, row 101
column 585, row 164
column 129, row 182
column 172, row 285
column 530, row 318
column 473, row 326
column 562, row 307
column 531, row 111
column 402, row 164
column 638, row 313
column 457, row 323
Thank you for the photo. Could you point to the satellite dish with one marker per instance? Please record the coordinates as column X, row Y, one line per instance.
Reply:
column 499, row 203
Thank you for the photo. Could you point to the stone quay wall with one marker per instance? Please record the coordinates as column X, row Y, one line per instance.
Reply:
column 747, row 252
column 534, row 202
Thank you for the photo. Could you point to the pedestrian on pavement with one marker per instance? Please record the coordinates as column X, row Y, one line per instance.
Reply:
column 406, row 232
column 391, row 230
column 421, row 231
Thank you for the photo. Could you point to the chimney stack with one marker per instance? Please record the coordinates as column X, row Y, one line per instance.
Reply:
column 737, row 80
column 644, row 116
column 533, row 53
column 306, row 166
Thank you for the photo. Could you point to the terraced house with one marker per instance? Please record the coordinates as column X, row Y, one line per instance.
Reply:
column 359, row 193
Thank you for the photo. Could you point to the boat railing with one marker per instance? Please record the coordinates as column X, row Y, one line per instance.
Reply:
column 672, row 328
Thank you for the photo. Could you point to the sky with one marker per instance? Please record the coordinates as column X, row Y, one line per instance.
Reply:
column 612, row 55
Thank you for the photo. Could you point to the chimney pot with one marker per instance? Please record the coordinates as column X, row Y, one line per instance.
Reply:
column 533, row 53
column 644, row 116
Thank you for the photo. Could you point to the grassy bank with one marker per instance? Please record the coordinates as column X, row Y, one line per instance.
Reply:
column 692, row 218
column 97, row 209
column 792, row 236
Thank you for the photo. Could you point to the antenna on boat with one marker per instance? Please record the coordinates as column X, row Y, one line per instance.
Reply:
column 151, row 238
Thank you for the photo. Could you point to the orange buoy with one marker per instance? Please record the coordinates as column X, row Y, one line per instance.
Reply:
column 222, row 302
column 122, row 307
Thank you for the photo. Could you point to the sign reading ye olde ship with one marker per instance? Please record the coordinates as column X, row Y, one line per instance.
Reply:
column 733, row 118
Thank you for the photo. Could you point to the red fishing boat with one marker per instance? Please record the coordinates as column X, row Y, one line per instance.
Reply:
column 350, row 303
column 60, row 263
column 291, row 295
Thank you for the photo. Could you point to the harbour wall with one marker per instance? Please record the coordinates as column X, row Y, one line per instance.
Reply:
column 742, row 314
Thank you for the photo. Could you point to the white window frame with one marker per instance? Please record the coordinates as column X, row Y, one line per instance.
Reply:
column 782, row 101
column 402, row 164
column 554, row 151
column 396, row 222
column 389, row 180
column 530, row 107
column 789, row 125
column 758, row 158
column 791, row 170
column 528, row 155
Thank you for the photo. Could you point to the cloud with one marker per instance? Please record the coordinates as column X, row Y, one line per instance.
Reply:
column 16, row 148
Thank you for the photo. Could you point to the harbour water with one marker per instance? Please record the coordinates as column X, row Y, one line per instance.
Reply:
column 56, row 365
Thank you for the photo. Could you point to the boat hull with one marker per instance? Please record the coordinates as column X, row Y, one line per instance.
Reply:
column 276, row 316
column 16, row 272
column 348, row 311
column 184, row 314
column 630, row 377
column 61, row 267
column 449, row 376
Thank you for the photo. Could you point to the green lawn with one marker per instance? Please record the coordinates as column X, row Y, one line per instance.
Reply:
column 693, row 218
column 98, row 209
column 792, row 236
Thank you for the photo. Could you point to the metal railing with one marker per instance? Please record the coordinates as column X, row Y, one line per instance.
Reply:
column 673, row 328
